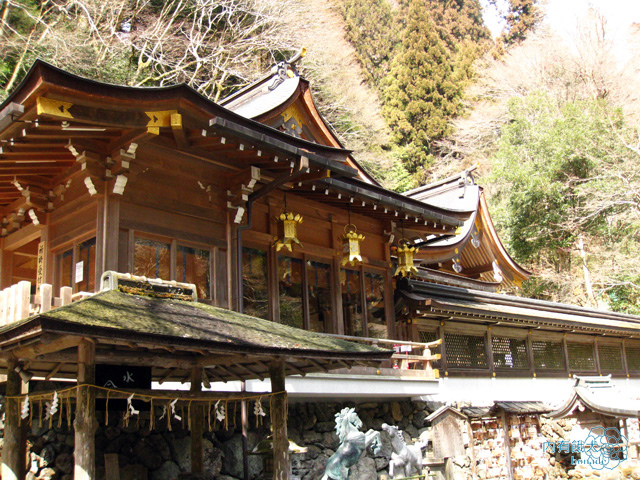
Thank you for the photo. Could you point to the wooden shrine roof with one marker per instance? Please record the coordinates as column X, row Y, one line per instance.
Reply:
column 601, row 396
column 477, row 247
column 175, row 334
column 55, row 123
column 284, row 101
column 507, row 310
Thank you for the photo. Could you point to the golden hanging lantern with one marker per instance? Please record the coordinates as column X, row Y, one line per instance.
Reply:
column 351, row 246
column 405, row 259
column 289, row 222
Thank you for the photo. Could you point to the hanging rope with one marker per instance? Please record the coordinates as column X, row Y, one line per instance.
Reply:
column 62, row 399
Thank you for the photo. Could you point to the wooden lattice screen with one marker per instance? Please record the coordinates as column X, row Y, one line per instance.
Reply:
column 427, row 336
column 581, row 356
column 610, row 358
column 547, row 355
column 465, row 350
column 509, row 353
column 633, row 358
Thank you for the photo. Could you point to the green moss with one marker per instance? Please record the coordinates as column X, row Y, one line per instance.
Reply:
column 146, row 316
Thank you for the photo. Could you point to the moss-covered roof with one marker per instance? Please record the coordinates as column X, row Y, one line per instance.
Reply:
column 113, row 314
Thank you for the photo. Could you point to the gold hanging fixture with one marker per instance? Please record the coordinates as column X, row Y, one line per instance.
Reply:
column 351, row 246
column 288, row 228
column 405, row 254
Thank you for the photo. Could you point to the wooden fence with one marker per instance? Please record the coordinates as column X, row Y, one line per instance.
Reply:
column 17, row 302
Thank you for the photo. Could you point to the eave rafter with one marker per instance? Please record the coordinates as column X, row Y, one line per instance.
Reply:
column 54, row 356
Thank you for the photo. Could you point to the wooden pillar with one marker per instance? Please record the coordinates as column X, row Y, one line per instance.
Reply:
column 85, row 423
column 507, row 443
column 197, row 424
column 244, row 415
column 279, row 421
column 472, row 449
column 12, row 463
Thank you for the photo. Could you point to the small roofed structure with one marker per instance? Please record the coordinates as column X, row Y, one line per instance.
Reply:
column 158, row 325
column 598, row 395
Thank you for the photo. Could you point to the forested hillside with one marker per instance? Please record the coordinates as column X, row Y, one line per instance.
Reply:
column 420, row 90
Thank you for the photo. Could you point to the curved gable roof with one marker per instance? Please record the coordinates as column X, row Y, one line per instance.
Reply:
column 284, row 101
column 477, row 247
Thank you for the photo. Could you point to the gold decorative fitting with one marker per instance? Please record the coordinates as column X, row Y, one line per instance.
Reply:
column 351, row 246
column 405, row 259
column 289, row 228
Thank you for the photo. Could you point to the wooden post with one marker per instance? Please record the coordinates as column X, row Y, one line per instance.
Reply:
column 279, row 421
column 11, row 464
column 472, row 450
column 197, row 424
column 507, row 444
column 244, row 415
column 85, row 423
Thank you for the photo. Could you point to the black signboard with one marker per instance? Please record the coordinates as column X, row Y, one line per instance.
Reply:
column 123, row 377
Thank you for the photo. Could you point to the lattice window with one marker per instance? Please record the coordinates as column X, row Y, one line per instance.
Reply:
column 427, row 336
column 633, row 358
column 509, row 353
column 547, row 355
column 581, row 356
column 610, row 358
column 465, row 350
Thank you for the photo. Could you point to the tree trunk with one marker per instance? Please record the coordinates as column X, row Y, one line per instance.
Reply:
column 85, row 423
column 12, row 465
column 197, row 424
column 279, row 421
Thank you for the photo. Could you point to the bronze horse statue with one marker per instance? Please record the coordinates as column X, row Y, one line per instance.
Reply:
column 353, row 443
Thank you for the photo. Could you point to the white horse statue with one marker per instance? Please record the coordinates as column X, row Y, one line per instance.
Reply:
column 353, row 444
column 405, row 458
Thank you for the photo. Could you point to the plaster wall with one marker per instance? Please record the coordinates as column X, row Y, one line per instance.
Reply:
column 485, row 391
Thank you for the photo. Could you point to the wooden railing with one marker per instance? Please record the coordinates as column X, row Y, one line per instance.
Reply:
column 420, row 357
column 16, row 301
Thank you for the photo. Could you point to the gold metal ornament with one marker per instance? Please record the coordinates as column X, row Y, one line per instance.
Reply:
column 351, row 246
column 289, row 222
column 405, row 259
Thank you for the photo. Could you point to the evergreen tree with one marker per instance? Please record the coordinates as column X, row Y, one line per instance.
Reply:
column 372, row 30
column 422, row 93
column 521, row 17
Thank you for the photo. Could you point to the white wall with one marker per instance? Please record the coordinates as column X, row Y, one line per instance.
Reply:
column 485, row 391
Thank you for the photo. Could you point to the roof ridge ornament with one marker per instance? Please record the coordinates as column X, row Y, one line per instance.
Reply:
column 150, row 287
column 286, row 69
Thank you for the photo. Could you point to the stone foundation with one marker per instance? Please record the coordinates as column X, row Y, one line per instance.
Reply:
column 164, row 454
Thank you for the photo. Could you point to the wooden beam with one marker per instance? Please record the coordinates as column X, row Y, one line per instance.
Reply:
column 251, row 372
column 12, row 463
column 169, row 374
column 290, row 365
column 487, row 267
column 279, row 421
column 507, row 443
column 215, row 360
column 197, row 424
column 85, row 423
column 230, row 373
column 208, row 372
column 117, row 357
column 317, row 365
column 55, row 370
column 138, row 135
column 22, row 236
column 178, row 131
column 61, row 343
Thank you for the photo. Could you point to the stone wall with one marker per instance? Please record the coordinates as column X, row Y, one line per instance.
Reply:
column 163, row 453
